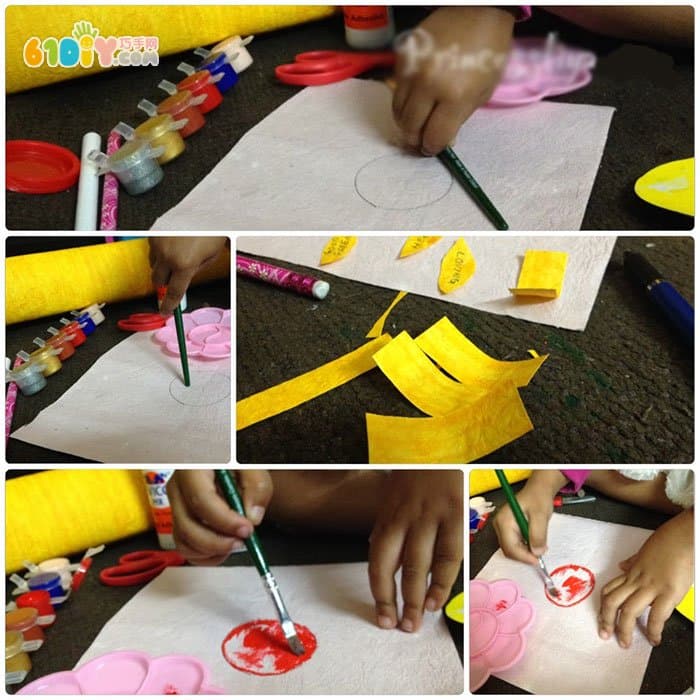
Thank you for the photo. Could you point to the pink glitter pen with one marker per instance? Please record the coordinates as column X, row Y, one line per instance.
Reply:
column 281, row 277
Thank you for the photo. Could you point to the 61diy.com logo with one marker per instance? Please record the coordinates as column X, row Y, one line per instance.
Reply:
column 85, row 45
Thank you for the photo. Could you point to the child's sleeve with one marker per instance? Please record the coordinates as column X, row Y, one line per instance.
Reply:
column 576, row 479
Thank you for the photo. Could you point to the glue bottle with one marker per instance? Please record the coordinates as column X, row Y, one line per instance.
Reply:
column 368, row 26
column 156, row 481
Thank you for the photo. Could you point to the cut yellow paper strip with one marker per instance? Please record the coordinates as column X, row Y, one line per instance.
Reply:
column 337, row 248
column 542, row 274
column 378, row 327
column 463, row 360
column 307, row 386
column 408, row 368
column 457, row 267
column 414, row 244
column 455, row 608
column 460, row 437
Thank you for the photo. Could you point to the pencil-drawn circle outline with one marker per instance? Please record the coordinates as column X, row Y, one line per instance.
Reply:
column 177, row 382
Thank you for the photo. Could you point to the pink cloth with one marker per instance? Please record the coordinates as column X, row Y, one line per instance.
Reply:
column 525, row 12
column 576, row 478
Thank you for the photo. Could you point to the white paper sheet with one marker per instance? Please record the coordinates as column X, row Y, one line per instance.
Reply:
column 564, row 653
column 327, row 159
column 498, row 261
column 131, row 406
column 191, row 610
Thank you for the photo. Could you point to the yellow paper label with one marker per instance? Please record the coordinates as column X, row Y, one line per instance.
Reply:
column 457, row 267
column 337, row 248
column 542, row 274
column 414, row 244
column 378, row 327
column 455, row 608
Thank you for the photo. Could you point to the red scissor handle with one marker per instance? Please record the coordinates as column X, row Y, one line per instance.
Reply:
column 139, row 567
column 324, row 67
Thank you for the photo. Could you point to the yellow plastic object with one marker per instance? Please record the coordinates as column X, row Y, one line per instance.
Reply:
column 305, row 387
column 44, row 284
column 687, row 606
column 60, row 512
column 378, row 327
column 414, row 244
column 178, row 28
column 455, row 608
column 483, row 480
column 542, row 274
column 456, row 268
column 670, row 186
column 337, row 248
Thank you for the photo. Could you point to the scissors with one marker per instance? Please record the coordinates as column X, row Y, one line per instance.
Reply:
column 323, row 67
column 139, row 567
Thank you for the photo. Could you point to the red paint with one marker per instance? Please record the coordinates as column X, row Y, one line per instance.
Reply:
column 574, row 583
column 501, row 605
column 259, row 647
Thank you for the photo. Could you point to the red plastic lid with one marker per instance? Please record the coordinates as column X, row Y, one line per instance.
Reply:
column 141, row 322
column 38, row 167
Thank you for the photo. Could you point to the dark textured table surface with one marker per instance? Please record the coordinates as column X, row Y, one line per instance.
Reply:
column 650, row 88
column 670, row 669
column 619, row 392
column 85, row 614
column 19, row 336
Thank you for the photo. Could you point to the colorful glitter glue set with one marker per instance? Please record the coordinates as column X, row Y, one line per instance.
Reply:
column 160, row 139
column 30, row 370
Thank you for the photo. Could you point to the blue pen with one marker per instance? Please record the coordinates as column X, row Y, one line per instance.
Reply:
column 669, row 300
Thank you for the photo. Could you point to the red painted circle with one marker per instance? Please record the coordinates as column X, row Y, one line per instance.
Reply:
column 259, row 647
column 574, row 583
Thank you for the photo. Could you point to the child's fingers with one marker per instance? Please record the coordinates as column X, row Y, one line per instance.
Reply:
column 385, row 547
column 538, row 521
column 632, row 609
column 441, row 127
column 160, row 273
column 256, row 485
column 403, row 89
column 177, row 286
column 414, row 114
column 661, row 610
column 510, row 538
column 615, row 583
column 447, row 558
column 415, row 565
column 610, row 604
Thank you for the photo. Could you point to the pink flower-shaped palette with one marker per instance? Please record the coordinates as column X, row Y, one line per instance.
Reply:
column 207, row 334
column 498, row 618
column 129, row 673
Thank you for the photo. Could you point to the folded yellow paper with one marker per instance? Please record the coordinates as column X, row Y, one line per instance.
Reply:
column 305, row 387
column 337, row 248
column 378, row 327
column 414, row 244
column 542, row 274
column 457, row 267
column 457, row 438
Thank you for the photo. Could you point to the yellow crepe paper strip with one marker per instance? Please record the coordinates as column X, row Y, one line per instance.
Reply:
column 457, row 267
column 483, row 480
column 408, row 368
column 542, row 274
column 457, row 438
column 455, row 608
column 378, row 327
column 337, row 248
column 305, row 387
column 463, row 360
column 414, row 244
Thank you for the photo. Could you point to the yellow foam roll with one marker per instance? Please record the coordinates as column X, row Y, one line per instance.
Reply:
column 42, row 284
column 482, row 480
column 178, row 28
column 64, row 511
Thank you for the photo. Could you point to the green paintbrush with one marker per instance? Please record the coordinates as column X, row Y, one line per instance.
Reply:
column 228, row 488
column 179, row 327
column 524, row 529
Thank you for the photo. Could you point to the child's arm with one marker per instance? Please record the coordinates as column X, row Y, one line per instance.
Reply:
column 205, row 528
column 446, row 68
column 662, row 24
column 536, row 499
column 175, row 260
column 659, row 575
column 418, row 530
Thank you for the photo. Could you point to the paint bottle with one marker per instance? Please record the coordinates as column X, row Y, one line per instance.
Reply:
column 201, row 82
column 235, row 49
column 29, row 378
column 217, row 63
column 156, row 481
column 159, row 131
column 135, row 166
column 17, row 661
column 368, row 26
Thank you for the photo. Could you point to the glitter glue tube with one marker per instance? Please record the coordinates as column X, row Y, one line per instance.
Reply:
column 281, row 277
column 201, row 82
column 217, row 63
column 368, row 26
column 156, row 481
column 235, row 49
column 159, row 131
column 134, row 165
column 72, row 328
column 29, row 377
column 63, row 345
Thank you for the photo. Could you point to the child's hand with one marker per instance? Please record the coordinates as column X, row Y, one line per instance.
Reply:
column 419, row 530
column 205, row 528
column 456, row 61
column 659, row 575
column 175, row 260
column 536, row 500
